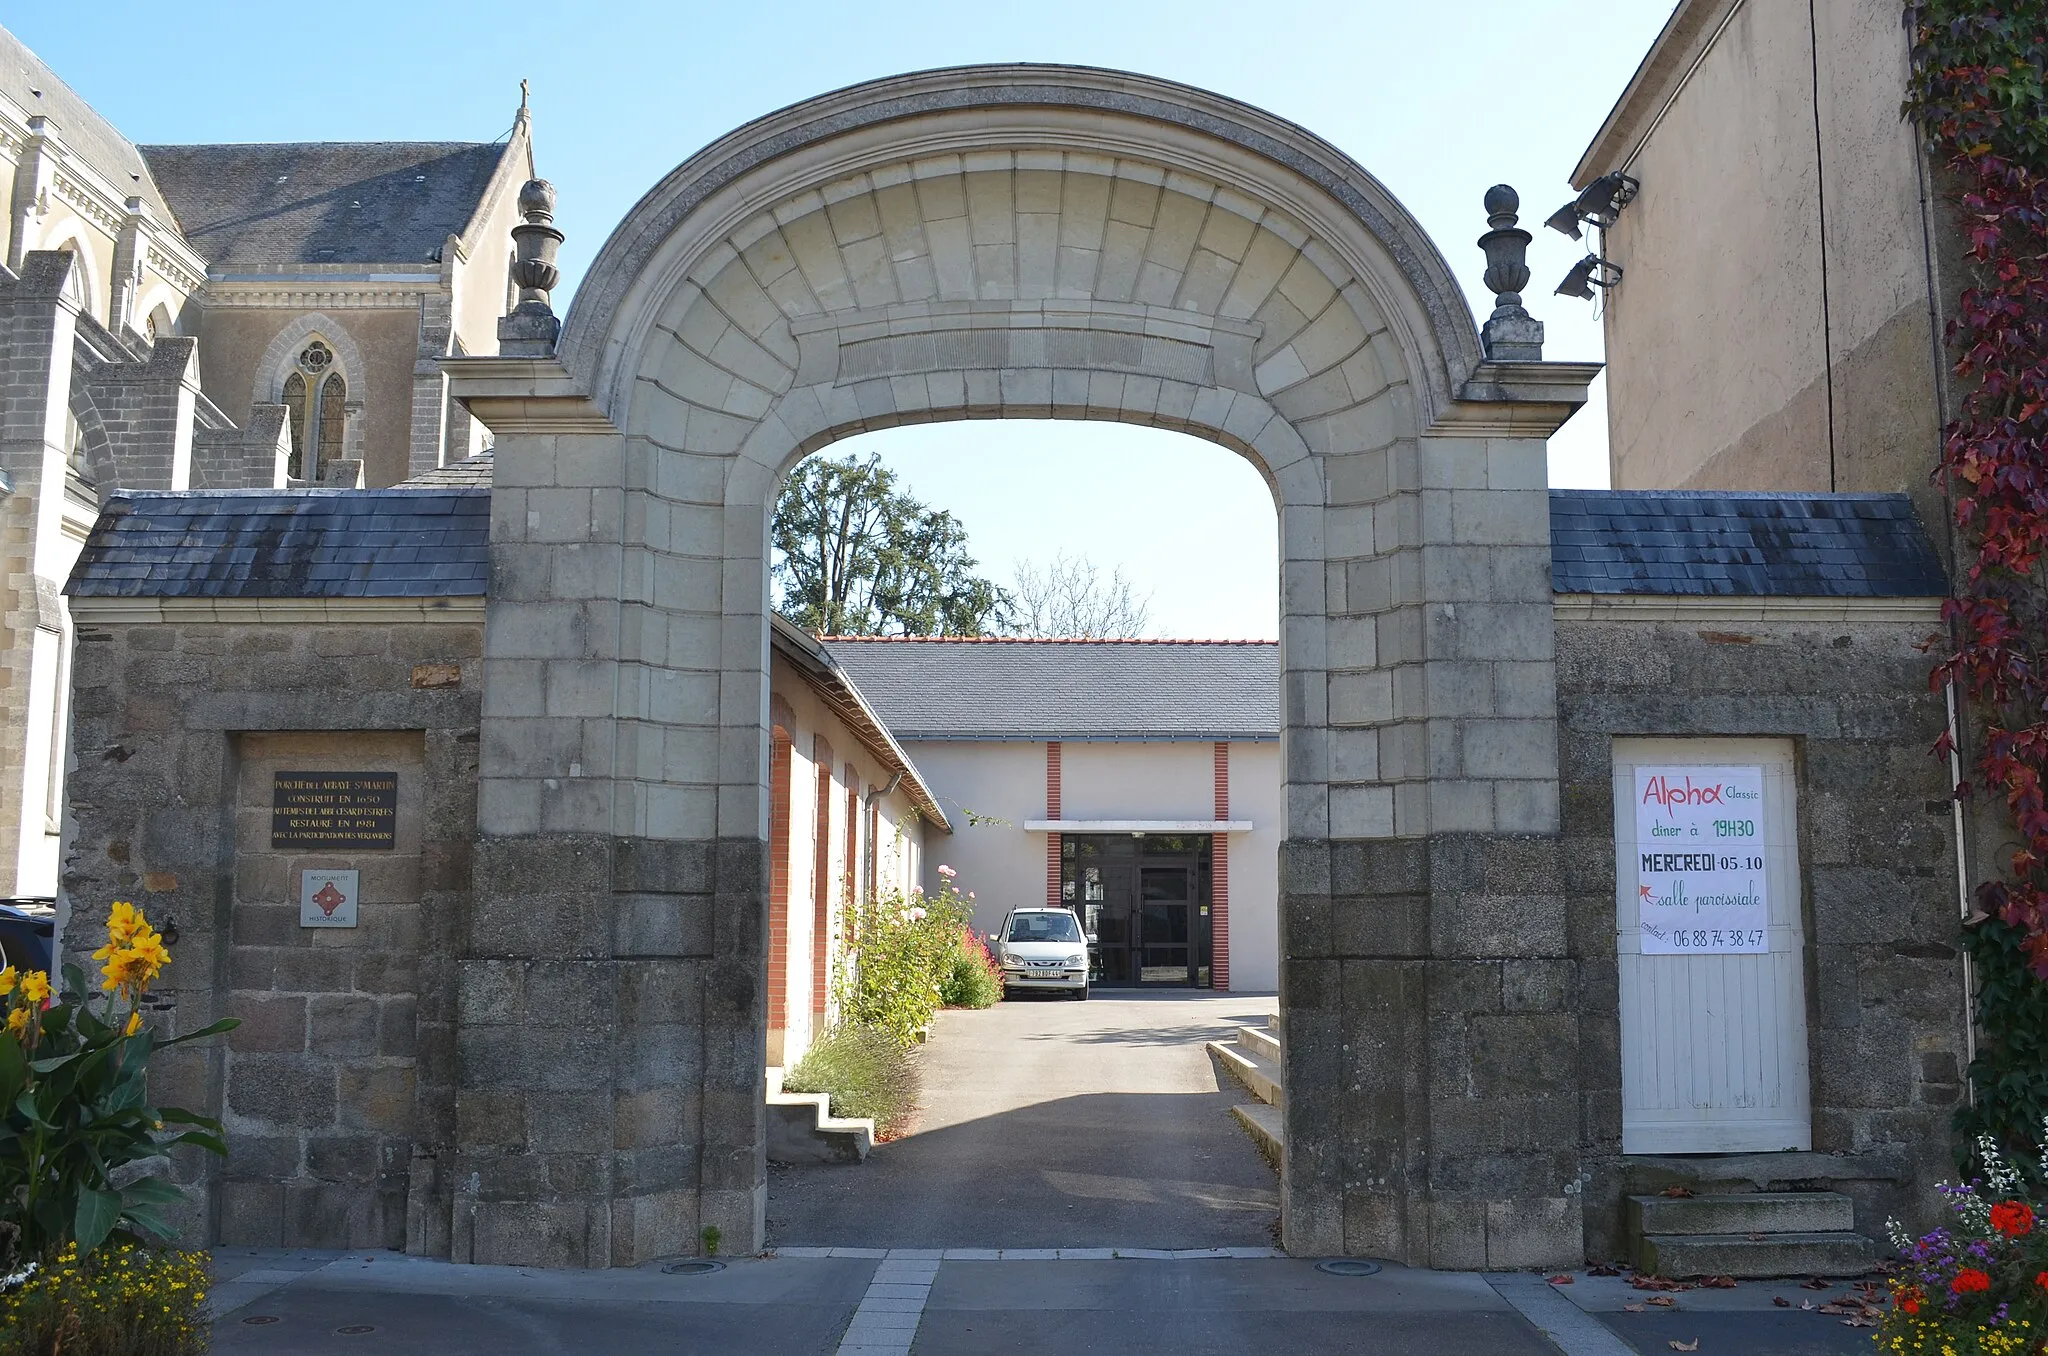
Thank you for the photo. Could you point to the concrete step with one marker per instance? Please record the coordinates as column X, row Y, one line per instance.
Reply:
column 1769, row 1212
column 1260, row 1042
column 1260, row 1075
column 802, row 1128
column 1267, row 1129
column 1837, row 1253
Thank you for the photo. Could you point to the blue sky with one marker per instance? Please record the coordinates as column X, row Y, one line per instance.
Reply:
column 1438, row 100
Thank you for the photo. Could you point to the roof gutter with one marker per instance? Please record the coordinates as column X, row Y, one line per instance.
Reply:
column 850, row 705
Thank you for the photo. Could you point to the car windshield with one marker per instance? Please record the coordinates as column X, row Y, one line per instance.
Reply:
column 1044, row 927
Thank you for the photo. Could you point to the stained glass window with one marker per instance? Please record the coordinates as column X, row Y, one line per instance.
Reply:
column 333, row 392
column 295, row 402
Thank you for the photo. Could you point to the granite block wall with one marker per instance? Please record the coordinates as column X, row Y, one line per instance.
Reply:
column 1877, row 876
column 339, row 1088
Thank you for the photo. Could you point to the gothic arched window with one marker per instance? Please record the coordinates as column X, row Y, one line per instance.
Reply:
column 315, row 393
column 295, row 403
column 333, row 392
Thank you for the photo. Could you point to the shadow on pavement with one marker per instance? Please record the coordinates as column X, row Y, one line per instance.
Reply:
column 1111, row 1169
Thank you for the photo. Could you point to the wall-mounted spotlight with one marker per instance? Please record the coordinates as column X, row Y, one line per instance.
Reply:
column 1587, row 274
column 1600, row 204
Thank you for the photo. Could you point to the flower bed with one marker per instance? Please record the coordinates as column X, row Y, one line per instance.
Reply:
column 121, row 1300
column 79, row 1145
column 1978, row 1286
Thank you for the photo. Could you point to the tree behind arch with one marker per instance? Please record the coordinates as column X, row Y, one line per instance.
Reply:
column 855, row 555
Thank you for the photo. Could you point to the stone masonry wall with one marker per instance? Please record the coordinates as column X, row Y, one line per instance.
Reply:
column 339, row 1088
column 1884, row 995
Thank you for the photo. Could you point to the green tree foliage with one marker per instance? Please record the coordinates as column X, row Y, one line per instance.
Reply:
column 858, row 555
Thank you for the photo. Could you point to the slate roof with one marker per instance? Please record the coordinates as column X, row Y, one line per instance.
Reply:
column 1075, row 690
column 288, row 544
column 343, row 202
column 474, row 472
column 89, row 136
column 1720, row 543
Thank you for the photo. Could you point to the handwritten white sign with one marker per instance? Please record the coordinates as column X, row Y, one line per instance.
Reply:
column 1700, row 835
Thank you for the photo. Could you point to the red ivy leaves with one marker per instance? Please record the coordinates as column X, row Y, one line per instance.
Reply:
column 1978, row 95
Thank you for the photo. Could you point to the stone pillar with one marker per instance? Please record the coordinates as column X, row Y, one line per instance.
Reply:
column 1431, row 1047
column 429, row 386
column 613, row 1014
column 38, row 325
column 147, row 409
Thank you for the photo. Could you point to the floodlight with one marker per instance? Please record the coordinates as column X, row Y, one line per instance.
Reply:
column 1565, row 219
column 1587, row 274
column 1579, row 282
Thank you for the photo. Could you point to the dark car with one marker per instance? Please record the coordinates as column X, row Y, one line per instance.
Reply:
column 27, row 927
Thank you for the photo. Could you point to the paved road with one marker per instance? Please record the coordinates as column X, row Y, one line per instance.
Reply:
column 381, row 1304
column 1049, row 1123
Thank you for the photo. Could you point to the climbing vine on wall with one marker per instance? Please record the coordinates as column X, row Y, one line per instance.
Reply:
column 1978, row 96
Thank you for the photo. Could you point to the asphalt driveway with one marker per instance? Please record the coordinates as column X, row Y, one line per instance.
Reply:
column 1049, row 1123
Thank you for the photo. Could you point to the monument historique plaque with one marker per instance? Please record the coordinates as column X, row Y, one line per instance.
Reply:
column 335, row 810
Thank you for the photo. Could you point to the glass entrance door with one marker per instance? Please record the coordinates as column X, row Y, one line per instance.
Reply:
column 1165, row 899
column 1145, row 900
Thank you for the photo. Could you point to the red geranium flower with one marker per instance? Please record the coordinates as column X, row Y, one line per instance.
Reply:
column 1908, row 1299
column 2014, row 1219
column 1969, row 1279
column 2042, row 1280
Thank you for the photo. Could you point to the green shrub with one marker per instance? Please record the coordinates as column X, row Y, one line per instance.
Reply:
column 899, row 955
column 974, row 981
column 123, row 1300
column 867, row 1072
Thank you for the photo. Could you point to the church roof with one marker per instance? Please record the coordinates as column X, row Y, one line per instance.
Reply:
column 88, row 136
column 340, row 202
column 470, row 473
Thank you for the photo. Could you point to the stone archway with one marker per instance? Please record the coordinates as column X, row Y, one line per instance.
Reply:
column 1028, row 242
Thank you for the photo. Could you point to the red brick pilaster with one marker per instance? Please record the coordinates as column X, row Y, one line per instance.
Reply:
column 778, row 881
column 1052, row 811
column 1219, row 877
column 821, row 885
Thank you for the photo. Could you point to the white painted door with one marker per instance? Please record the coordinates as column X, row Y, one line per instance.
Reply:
column 1710, row 945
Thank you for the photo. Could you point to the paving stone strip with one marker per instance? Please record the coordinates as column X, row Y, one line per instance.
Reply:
column 885, row 1324
column 1571, row 1329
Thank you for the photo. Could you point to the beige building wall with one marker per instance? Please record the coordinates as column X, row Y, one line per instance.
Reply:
column 897, row 835
column 1003, row 784
column 1771, row 330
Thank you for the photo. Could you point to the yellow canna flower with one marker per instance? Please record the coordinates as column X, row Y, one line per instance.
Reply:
column 134, row 1024
column 6, row 981
column 124, row 920
column 35, row 987
column 17, row 1022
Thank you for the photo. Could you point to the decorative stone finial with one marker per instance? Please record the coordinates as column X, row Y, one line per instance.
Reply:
column 1510, row 334
column 531, row 330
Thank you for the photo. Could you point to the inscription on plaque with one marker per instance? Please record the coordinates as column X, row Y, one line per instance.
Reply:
column 335, row 810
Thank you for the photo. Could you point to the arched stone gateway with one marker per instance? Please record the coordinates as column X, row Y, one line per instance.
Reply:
column 1014, row 241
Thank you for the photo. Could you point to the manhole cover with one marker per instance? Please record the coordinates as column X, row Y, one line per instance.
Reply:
column 356, row 1329
column 696, row 1267
column 1349, row 1266
column 258, row 1320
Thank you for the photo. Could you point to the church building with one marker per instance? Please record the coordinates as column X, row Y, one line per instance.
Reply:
column 210, row 317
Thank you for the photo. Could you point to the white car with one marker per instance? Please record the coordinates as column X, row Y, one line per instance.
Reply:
column 1043, row 949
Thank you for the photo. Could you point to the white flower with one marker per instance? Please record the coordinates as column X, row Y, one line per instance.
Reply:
column 917, row 915
column 948, row 872
column 970, row 894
